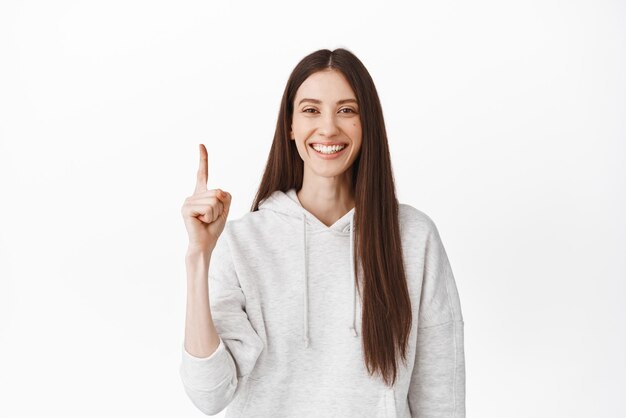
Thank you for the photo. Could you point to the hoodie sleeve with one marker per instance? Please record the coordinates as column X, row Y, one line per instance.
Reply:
column 437, row 387
column 213, row 382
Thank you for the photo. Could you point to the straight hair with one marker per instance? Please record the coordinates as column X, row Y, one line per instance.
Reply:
column 386, row 316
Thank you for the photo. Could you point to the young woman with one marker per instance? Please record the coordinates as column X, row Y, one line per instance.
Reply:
column 329, row 298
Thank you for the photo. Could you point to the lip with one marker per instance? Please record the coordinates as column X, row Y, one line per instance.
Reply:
column 329, row 156
column 328, row 143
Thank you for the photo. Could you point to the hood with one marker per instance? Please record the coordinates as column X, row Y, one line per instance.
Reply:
column 287, row 203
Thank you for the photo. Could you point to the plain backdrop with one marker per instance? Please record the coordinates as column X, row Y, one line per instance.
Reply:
column 506, row 123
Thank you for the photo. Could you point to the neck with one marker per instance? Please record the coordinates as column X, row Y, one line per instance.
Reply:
column 327, row 198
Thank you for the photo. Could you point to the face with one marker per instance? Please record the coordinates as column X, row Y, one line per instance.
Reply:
column 326, row 112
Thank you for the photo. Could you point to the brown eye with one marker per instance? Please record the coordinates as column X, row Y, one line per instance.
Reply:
column 305, row 110
column 347, row 108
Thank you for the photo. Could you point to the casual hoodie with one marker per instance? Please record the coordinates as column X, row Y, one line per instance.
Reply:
column 285, row 305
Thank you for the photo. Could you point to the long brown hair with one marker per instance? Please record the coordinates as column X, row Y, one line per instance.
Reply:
column 386, row 315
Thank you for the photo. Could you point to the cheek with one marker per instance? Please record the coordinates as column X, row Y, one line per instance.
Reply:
column 302, row 125
column 354, row 127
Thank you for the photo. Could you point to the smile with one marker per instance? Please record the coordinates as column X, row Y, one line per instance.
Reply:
column 328, row 152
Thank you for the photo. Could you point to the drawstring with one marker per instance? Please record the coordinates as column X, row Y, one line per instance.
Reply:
column 353, row 278
column 306, row 287
column 306, row 283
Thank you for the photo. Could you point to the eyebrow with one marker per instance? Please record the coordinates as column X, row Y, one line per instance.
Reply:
column 319, row 101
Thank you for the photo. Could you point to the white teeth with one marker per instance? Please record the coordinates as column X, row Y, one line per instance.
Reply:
column 328, row 149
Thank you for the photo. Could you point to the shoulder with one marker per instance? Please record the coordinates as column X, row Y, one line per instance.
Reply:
column 411, row 218
column 246, row 219
column 251, row 226
column 419, row 231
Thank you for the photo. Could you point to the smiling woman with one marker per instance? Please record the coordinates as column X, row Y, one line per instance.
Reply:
column 330, row 297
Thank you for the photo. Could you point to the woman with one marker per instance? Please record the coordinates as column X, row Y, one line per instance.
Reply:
column 329, row 298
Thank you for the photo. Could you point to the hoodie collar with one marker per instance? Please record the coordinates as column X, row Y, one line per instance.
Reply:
column 288, row 204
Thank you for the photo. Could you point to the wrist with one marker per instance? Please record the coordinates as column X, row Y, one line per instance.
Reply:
column 195, row 252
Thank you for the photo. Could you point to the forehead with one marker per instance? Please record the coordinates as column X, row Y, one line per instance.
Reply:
column 327, row 85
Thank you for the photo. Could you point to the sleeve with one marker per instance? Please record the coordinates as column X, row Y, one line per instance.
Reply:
column 213, row 382
column 437, row 387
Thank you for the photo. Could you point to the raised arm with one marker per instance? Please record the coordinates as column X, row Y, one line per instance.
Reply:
column 220, row 345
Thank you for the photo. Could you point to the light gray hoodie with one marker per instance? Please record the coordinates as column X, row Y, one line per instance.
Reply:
column 285, row 305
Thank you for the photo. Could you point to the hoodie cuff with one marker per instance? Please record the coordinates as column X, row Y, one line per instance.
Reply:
column 206, row 373
column 191, row 357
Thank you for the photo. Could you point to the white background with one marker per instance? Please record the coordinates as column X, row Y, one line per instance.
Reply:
column 506, row 122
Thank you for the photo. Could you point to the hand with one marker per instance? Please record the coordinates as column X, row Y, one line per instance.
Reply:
column 205, row 211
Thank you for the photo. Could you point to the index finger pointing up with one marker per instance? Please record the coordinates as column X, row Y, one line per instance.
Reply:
column 203, row 171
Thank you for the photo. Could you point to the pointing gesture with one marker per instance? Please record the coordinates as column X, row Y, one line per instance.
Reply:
column 203, row 171
column 205, row 211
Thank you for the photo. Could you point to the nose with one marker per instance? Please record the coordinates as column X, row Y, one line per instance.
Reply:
column 328, row 125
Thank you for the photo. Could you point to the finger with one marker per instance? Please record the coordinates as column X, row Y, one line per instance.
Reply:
column 202, row 202
column 226, row 199
column 197, row 197
column 213, row 212
column 203, row 171
column 206, row 213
